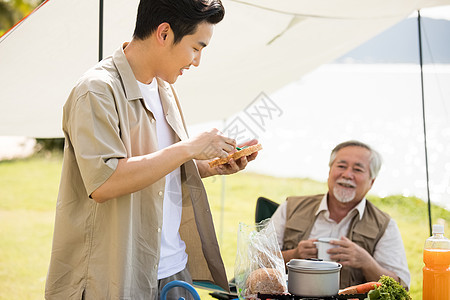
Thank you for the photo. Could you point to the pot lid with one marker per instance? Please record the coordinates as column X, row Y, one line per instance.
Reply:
column 312, row 264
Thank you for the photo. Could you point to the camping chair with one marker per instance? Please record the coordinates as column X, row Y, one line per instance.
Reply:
column 264, row 209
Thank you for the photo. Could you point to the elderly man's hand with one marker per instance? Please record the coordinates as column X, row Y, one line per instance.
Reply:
column 349, row 254
column 306, row 249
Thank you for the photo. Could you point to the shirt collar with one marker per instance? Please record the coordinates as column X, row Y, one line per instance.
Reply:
column 132, row 91
column 324, row 207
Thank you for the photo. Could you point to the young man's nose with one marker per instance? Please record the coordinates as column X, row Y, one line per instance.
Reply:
column 196, row 61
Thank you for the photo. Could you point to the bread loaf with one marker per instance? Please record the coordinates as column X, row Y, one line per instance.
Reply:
column 265, row 281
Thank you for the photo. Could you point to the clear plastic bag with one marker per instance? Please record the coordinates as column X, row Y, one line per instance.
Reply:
column 259, row 265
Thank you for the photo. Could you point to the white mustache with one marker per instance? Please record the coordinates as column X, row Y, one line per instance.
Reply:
column 346, row 182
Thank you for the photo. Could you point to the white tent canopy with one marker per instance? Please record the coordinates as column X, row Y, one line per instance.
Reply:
column 259, row 47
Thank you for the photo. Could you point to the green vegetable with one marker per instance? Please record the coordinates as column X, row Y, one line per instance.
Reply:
column 377, row 295
column 389, row 290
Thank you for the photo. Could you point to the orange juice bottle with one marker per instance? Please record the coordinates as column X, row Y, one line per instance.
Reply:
column 436, row 272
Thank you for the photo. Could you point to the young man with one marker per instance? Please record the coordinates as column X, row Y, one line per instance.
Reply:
column 132, row 213
column 370, row 243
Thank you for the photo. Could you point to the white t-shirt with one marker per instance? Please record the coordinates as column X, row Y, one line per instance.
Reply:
column 389, row 251
column 173, row 257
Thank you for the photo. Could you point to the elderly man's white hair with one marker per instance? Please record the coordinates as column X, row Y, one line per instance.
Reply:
column 375, row 157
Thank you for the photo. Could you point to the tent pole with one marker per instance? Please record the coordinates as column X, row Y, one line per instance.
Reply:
column 222, row 208
column 100, row 32
column 424, row 123
column 222, row 199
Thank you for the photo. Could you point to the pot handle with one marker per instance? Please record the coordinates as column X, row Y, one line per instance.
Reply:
column 314, row 259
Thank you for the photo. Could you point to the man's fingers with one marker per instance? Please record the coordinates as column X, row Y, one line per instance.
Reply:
column 229, row 141
column 229, row 148
column 223, row 154
column 241, row 162
column 229, row 168
column 313, row 250
column 224, row 149
column 346, row 240
column 232, row 165
column 333, row 251
column 229, row 144
column 252, row 156
column 307, row 249
column 249, row 143
column 343, row 242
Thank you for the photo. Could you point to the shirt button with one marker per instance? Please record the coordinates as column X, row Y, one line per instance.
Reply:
column 153, row 121
column 159, row 229
column 155, row 267
column 160, row 193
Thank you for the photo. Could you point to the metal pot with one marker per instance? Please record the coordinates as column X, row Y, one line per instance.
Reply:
column 313, row 278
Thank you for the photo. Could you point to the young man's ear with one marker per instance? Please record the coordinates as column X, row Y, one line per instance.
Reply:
column 162, row 33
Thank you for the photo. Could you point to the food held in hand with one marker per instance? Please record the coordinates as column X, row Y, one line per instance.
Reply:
column 236, row 155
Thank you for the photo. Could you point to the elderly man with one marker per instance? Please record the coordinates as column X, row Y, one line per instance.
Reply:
column 369, row 242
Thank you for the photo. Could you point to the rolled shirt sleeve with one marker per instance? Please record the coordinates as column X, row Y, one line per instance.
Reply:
column 95, row 135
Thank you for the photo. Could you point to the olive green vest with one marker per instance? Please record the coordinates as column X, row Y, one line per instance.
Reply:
column 300, row 218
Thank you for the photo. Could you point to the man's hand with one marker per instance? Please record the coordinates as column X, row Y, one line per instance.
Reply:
column 305, row 249
column 210, row 144
column 233, row 166
column 350, row 254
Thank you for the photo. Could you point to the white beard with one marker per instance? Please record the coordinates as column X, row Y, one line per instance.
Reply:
column 343, row 195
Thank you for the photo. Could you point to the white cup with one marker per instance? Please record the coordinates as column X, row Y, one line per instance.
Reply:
column 323, row 244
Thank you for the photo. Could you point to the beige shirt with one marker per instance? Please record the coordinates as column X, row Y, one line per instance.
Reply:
column 111, row 250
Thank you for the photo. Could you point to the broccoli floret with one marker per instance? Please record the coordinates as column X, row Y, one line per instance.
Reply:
column 389, row 290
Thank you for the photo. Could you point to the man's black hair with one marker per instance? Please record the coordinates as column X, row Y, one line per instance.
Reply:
column 182, row 15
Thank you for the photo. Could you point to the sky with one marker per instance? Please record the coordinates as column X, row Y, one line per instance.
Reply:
column 399, row 44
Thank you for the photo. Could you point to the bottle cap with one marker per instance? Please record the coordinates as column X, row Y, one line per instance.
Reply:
column 438, row 228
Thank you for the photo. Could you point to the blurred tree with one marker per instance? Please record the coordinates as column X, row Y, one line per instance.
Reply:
column 12, row 11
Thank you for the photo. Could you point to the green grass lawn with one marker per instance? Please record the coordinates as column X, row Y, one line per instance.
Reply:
column 29, row 187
